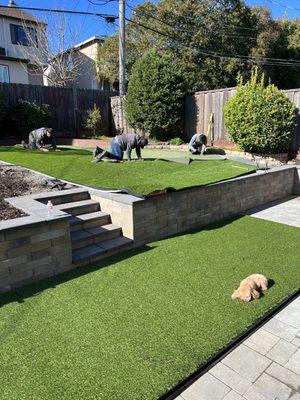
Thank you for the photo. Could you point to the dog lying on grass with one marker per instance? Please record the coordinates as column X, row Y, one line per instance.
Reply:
column 250, row 288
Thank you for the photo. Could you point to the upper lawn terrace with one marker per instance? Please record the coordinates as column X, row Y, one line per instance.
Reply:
column 138, row 177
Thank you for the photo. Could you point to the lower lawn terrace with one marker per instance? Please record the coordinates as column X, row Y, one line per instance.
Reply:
column 134, row 325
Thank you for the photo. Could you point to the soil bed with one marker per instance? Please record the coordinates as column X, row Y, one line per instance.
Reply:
column 17, row 181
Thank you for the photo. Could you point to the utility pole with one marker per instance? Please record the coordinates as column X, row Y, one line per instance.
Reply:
column 122, row 62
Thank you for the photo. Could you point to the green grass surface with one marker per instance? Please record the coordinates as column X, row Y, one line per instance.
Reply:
column 139, row 177
column 134, row 325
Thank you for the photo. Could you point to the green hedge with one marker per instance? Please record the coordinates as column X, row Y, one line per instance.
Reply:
column 260, row 118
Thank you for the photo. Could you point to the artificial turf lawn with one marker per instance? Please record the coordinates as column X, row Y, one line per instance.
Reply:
column 139, row 177
column 134, row 325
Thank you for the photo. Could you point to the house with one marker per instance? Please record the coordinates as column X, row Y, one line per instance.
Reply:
column 16, row 64
column 80, row 62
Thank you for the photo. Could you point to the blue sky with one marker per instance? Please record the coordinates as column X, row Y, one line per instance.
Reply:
column 91, row 26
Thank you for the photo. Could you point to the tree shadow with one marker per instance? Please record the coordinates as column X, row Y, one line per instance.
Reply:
column 34, row 289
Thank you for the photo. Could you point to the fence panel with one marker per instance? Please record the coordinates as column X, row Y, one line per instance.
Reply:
column 200, row 105
column 68, row 105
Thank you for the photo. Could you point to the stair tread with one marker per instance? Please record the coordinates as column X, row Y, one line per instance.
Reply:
column 86, row 217
column 74, row 204
column 87, row 233
column 99, row 249
column 60, row 193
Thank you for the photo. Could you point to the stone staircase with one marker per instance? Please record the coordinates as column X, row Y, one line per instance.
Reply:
column 93, row 236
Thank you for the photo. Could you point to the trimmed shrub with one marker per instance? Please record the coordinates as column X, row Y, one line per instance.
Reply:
column 154, row 101
column 2, row 106
column 93, row 120
column 260, row 118
column 26, row 116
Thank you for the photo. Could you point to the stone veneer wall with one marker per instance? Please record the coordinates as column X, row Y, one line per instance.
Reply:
column 32, row 252
column 163, row 216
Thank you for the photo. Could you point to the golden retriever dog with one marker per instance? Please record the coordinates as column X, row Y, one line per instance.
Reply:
column 250, row 288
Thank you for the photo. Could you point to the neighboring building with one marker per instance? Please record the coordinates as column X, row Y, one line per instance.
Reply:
column 83, row 57
column 14, row 28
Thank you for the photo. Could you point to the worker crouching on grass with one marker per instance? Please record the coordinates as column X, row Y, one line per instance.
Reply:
column 198, row 144
column 38, row 139
column 119, row 145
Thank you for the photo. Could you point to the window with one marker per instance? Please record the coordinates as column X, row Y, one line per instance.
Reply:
column 19, row 35
column 4, row 74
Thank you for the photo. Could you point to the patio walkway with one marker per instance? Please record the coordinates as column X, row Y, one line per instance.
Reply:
column 285, row 211
column 266, row 366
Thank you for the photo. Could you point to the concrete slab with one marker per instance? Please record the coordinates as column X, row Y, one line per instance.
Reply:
column 230, row 378
column 294, row 363
column 262, row 341
column 206, row 388
column 247, row 362
column 282, row 352
column 284, row 375
column 281, row 329
column 286, row 211
column 268, row 388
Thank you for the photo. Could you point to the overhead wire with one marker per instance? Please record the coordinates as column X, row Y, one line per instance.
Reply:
column 258, row 59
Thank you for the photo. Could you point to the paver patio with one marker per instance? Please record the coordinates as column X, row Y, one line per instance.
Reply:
column 266, row 366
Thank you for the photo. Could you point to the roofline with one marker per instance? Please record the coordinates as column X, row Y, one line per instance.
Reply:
column 92, row 39
column 24, row 60
column 37, row 22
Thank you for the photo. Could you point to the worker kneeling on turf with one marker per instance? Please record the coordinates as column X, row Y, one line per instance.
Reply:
column 120, row 144
column 39, row 138
column 198, row 144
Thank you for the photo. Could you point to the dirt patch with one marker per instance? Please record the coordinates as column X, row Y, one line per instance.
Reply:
column 17, row 181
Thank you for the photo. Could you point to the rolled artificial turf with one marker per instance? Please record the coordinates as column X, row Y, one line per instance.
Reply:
column 137, row 177
column 134, row 325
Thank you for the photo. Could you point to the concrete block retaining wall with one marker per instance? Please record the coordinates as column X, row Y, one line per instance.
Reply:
column 33, row 251
column 163, row 216
column 34, row 247
column 153, row 218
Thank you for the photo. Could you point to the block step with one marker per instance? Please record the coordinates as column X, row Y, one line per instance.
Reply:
column 64, row 196
column 79, row 207
column 90, row 220
column 102, row 250
column 87, row 237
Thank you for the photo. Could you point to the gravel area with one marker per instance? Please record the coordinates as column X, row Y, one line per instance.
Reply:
column 18, row 181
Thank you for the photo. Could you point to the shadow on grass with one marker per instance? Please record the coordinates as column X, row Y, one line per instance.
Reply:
column 34, row 289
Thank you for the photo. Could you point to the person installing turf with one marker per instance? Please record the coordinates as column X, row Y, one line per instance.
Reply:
column 120, row 144
column 198, row 144
column 38, row 138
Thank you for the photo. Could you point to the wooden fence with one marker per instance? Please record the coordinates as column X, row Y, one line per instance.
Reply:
column 68, row 105
column 200, row 105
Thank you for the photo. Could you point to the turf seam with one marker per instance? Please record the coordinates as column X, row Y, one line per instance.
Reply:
column 217, row 357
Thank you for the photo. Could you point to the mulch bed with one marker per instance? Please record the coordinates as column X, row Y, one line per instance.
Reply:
column 18, row 181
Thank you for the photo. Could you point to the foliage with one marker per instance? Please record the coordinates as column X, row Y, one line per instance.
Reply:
column 154, row 101
column 260, row 118
column 26, row 116
column 93, row 120
column 231, row 29
column 176, row 141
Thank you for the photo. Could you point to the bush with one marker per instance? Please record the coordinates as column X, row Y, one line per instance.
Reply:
column 93, row 120
column 154, row 101
column 176, row 141
column 26, row 116
column 260, row 118
column 2, row 105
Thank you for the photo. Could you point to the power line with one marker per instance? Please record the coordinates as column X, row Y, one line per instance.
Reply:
column 258, row 59
column 283, row 5
column 107, row 17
